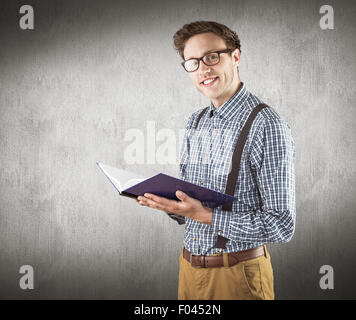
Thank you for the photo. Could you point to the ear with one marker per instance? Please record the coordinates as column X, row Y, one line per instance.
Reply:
column 236, row 57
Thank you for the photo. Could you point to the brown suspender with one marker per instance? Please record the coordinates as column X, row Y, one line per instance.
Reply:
column 199, row 117
column 236, row 157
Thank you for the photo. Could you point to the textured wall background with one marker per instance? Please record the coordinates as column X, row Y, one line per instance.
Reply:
column 91, row 70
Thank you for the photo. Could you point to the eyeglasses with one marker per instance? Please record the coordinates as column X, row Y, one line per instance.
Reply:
column 210, row 59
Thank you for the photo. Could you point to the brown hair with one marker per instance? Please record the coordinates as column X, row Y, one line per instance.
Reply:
column 191, row 29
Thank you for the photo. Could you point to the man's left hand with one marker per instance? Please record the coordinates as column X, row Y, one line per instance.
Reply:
column 187, row 206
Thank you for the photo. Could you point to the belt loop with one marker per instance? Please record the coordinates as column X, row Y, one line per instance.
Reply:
column 265, row 250
column 225, row 259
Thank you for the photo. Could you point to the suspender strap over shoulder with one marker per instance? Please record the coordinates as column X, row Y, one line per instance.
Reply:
column 199, row 117
column 235, row 163
column 236, row 157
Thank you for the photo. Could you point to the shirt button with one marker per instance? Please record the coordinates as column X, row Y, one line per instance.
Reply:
column 202, row 182
column 220, row 231
column 194, row 239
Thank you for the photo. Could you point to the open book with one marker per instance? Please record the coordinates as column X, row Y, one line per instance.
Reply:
column 132, row 185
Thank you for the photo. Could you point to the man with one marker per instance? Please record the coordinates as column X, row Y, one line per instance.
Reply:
column 224, row 254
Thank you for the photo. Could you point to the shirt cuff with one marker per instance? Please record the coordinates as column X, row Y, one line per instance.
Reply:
column 177, row 217
column 221, row 222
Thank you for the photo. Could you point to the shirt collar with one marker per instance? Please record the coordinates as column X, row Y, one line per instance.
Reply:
column 234, row 105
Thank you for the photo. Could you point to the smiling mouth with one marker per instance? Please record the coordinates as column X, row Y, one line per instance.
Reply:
column 209, row 82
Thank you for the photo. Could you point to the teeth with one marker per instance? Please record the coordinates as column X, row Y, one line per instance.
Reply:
column 208, row 81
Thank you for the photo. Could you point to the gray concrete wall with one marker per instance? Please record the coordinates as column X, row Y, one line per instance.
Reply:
column 91, row 70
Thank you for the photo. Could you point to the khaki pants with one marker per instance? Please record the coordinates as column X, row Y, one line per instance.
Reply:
column 247, row 280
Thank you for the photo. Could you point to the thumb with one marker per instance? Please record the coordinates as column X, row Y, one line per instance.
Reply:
column 181, row 195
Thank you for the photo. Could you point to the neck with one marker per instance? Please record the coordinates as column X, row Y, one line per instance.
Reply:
column 221, row 100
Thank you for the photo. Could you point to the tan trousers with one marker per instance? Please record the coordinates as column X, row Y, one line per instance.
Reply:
column 247, row 280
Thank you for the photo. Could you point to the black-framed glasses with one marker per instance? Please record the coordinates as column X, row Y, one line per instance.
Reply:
column 210, row 59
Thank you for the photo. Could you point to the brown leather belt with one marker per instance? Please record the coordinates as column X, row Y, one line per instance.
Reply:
column 218, row 261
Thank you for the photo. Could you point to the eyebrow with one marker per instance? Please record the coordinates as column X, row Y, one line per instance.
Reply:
column 205, row 53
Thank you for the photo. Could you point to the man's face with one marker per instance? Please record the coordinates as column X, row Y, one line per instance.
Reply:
column 224, row 74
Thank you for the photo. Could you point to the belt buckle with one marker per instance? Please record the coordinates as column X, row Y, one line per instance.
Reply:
column 190, row 261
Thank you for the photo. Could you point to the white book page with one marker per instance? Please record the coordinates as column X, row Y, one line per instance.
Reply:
column 132, row 182
column 122, row 179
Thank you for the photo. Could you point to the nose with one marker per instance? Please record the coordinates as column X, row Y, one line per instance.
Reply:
column 203, row 68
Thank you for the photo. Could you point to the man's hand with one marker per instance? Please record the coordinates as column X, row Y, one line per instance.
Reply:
column 187, row 206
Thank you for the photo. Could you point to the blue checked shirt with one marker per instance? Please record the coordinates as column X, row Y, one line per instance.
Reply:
column 264, row 211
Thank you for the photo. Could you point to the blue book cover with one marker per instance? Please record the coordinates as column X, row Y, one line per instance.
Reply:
column 132, row 185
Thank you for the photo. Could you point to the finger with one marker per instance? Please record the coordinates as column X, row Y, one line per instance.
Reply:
column 182, row 196
column 186, row 200
column 147, row 202
column 154, row 204
column 142, row 201
column 162, row 201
